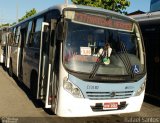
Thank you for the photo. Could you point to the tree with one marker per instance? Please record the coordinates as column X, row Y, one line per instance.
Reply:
column 28, row 14
column 115, row 5
column 6, row 24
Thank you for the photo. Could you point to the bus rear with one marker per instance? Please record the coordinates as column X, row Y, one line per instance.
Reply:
column 102, row 64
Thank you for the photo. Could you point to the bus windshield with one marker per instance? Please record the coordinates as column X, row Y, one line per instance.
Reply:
column 97, row 50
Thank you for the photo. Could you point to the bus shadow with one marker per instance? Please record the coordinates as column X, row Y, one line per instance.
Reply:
column 37, row 103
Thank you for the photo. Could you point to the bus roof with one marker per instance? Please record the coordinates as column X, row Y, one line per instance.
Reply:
column 62, row 6
column 148, row 17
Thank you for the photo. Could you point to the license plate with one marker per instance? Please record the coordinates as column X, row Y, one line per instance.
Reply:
column 111, row 105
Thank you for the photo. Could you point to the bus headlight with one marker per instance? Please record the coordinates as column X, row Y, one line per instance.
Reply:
column 141, row 89
column 76, row 92
column 68, row 86
column 71, row 88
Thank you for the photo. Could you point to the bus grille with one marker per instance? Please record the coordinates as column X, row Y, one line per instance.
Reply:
column 109, row 95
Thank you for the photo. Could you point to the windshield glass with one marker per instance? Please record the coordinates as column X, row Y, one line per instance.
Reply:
column 115, row 51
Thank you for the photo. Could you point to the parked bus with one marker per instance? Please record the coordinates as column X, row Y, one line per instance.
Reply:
column 80, row 61
column 150, row 26
column 3, row 39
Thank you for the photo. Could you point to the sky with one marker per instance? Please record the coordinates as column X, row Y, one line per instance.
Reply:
column 8, row 8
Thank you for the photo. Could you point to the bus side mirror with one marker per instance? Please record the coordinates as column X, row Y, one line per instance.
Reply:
column 53, row 30
column 59, row 33
column 53, row 24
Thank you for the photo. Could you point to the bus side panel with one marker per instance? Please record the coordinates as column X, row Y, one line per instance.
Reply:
column 29, row 63
column 14, row 51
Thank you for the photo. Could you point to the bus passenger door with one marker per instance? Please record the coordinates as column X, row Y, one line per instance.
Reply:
column 21, row 45
column 15, row 52
column 8, row 49
column 44, row 67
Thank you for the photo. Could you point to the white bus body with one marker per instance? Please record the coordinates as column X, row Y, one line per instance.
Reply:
column 103, row 73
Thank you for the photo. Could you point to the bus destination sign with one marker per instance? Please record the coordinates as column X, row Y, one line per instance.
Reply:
column 103, row 21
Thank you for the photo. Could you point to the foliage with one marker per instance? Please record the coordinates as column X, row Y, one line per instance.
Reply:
column 28, row 14
column 3, row 25
column 115, row 5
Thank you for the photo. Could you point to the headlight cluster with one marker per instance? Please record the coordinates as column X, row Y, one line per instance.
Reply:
column 71, row 88
column 141, row 89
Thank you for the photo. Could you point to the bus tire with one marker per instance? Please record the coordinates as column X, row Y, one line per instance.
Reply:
column 10, row 70
column 33, row 84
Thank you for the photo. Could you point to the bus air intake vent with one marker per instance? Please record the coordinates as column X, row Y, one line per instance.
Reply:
column 109, row 95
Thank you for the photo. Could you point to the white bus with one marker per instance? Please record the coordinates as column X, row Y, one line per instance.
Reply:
column 81, row 61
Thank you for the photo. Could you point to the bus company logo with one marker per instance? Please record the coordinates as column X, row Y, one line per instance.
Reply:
column 112, row 94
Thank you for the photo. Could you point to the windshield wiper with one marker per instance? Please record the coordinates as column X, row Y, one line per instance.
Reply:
column 100, row 60
column 126, row 60
column 103, row 53
column 96, row 66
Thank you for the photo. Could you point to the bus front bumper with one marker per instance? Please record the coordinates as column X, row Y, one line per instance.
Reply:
column 69, row 106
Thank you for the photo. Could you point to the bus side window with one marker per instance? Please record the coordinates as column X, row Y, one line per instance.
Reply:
column 10, row 38
column 17, row 39
column 29, row 34
column 13, row 36
column 37, row 33
column 50, row 17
